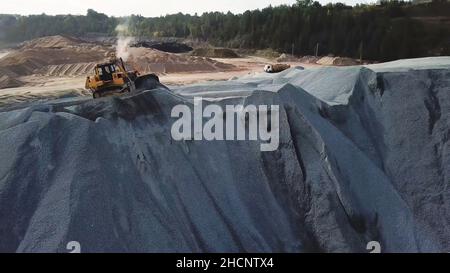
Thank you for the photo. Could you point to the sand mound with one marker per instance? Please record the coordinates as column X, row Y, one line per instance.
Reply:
column 267, row 53
column 9, row 82
column 8, row 79
column 215, row 53
column 171, row 47
column 337, row 61
column 287, row 58
column 75, row 69
column 309, row 59
column 150, row 60
column 3, row 53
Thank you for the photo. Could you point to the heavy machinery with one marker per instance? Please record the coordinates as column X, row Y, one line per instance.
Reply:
column 113, row 78
column 276, row 68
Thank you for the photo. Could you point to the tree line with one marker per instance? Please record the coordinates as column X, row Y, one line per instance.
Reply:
column 385, row 31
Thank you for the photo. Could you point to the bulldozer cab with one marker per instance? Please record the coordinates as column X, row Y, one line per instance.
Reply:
column 105, row 72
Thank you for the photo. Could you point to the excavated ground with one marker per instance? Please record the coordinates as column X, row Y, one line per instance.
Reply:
column 60, row 56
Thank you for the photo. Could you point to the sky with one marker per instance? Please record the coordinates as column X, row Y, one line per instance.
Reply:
column 148, row 8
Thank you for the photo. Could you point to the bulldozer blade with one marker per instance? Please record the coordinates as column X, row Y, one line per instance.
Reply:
column 147, row 82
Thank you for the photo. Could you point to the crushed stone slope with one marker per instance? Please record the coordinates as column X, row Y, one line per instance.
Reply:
column 363, row 156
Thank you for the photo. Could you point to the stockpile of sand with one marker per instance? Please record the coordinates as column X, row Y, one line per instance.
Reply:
column 287, row 58
column 326, row 61
column 215, row 53
column 151, row 60
column 171, row 47
column 39, row 61
column 8, row 79
column 54, row 56
column 75, row 69
column 337, row 61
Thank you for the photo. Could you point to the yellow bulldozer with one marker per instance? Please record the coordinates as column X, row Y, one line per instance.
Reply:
column 113, row 78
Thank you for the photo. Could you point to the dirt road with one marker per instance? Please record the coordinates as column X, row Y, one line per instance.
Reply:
column 3, row 53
